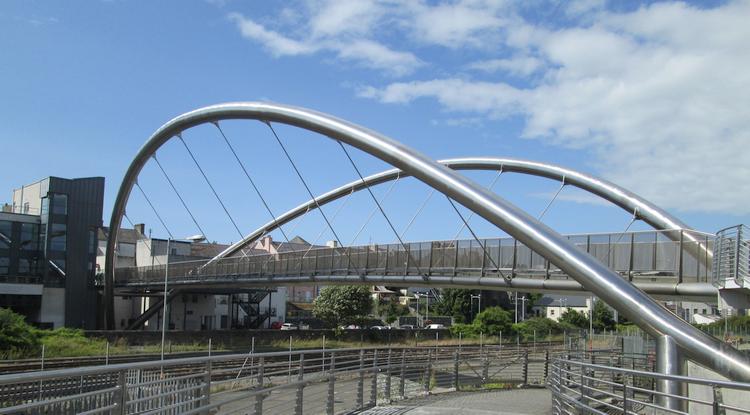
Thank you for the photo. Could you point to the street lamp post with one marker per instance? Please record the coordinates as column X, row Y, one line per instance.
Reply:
column 479, row 298
column 164, row 308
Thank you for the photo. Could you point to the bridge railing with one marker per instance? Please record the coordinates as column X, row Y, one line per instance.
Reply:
column 661, row 256
column 731, row 261
column 581, row 385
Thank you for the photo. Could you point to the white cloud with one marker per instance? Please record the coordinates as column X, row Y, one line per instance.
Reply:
column 518, row 66
column 658, row 95
column 663, row 105
column 340, row 27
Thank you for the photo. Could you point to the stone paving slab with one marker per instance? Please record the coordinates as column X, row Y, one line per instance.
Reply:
column 507, row 402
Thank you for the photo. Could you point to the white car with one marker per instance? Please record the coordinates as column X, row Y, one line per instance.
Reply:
column 435, row 326
column 289, row 326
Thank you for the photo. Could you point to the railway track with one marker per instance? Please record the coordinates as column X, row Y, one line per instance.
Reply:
column 31, row 365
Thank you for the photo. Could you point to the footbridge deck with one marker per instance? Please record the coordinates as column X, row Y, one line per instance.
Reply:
column 663, row 263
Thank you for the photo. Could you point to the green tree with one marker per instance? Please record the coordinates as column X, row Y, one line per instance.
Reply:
column 492, row 321
column 17, row 338
column 390, row 310
column 343, row 305
column 542, row 326
column 456, row 303
column 603, row 318
column 574, row 318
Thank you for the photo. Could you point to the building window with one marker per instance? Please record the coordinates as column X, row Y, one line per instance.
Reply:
column 4, row 265
column 60, row 204
column 45, row 208
column 58, row 237
column 29, row 237
column 5, row 234
column 25, row 266
column 552, row 312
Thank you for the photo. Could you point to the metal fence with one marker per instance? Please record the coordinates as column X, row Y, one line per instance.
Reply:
column 661, row 256
column 309, row 381
column 731, row 260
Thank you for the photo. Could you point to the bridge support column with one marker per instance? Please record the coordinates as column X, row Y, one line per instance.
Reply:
column 668, row 362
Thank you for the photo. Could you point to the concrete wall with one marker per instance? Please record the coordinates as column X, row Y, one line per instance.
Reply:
column 53, row 307
column 729, row 396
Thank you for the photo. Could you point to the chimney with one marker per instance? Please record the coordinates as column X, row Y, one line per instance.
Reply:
column 140, row 228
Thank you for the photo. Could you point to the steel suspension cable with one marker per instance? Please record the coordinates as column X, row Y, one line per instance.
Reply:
column 471, row 215
column 474, row 235
column 419, row 210
column 302, row 179
column 541, row 215
column 374, row 210
column 333, row 218
column 619, row 238
column 158, row 216
column 208, row 182
column 380, row 207
column 143, row 237
column 294, row 228
column 179, row 196
column 304, row 183
column 252, row 182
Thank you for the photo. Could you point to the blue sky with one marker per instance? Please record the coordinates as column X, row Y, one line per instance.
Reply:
column 652, row 96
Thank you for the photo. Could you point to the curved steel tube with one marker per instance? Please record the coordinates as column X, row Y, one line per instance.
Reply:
column 629, row 201
column 587, row 270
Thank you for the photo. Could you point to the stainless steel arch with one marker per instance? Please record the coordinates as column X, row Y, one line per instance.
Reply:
column 590, row 273
column 627, row 200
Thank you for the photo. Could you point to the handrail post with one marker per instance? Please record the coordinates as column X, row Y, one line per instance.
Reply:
column 122, row 398
column 300, row 386
column 331, row 386
column 207, row 381
column 361, row 381
column 259, row 396
column 717, row 401
column 625, row 402
column 546, row 364
column 374, row 384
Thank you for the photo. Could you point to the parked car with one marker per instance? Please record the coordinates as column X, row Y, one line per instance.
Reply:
column 406, row 327
column 380, row 328
column 435, row 326
column 289, row 326
column 276, row 325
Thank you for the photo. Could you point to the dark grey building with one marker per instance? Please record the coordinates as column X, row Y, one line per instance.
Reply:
column 48, row 241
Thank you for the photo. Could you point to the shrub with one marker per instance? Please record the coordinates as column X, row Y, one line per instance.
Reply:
column 17, row 338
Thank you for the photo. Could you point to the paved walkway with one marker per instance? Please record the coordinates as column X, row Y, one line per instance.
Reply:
column 507, row 402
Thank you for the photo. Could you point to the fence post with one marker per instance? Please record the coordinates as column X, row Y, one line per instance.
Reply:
column 388, row 378
column 374, row 384
column 402, row 379
column 485, row 368
column 361, row 381
column 331, row 385
column 546, row 364
column 427, row 372
column 122, row 398
column 525, row 368
column 455, row 370
column 300, row 385
column 259, row 396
